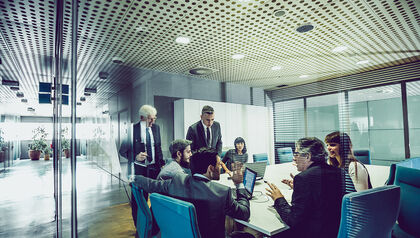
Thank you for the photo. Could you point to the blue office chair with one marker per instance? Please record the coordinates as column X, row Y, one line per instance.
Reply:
column 284, row 155
column 391, row 176
column 362, row 156
column 260, row 157
column 174, row 216
column 369, row 213
column 144, row 216
column 408, row 220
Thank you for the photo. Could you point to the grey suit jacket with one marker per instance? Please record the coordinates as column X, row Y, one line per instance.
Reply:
column 212, row 201
column 197, row 136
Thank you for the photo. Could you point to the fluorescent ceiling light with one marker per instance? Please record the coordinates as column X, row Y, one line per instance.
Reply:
column 340, row 48
column 303, row 76
column 238, row 56
column 363, row 62
column 277, row 67
column 182, row 40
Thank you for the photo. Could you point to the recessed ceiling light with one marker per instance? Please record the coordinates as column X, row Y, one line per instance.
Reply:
column 363, row 62
column 340, row 48
column 141, row 29
column 279, row 13
column 305, row 28
column 182, row 40
column 238, row 56
column 277, row 67
column 303, row 76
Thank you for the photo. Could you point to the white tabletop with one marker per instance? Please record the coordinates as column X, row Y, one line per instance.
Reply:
column 264, row 217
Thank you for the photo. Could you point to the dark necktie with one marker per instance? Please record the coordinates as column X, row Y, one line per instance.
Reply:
column 208, row 137
column 148, row 145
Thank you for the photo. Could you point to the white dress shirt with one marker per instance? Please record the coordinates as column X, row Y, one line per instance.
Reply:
column 205, row 134
column 143, row 129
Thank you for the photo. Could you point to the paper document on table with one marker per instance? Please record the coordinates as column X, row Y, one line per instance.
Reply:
column 287, row 193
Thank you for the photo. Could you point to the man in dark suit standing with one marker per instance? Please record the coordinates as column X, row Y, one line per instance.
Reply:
column 206, row 132
column 147, row 144
column 211, row 200
column 147, row 151
column 317, row 193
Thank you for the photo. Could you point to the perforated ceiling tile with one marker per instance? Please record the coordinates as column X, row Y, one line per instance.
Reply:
column 143, row 33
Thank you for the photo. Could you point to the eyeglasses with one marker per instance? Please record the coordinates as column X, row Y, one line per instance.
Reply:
column 296, row 154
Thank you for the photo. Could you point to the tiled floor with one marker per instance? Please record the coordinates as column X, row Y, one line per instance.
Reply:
column 27, row 200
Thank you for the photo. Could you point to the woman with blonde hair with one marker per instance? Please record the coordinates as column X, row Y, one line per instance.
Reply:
column 341, row 155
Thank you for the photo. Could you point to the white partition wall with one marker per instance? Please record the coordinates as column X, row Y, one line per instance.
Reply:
column 253, row 123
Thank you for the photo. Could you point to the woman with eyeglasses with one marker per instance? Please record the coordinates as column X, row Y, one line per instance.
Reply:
column 238, row 154
column 341, row 156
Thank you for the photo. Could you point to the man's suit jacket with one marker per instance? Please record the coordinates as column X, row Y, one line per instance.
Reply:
column 198, row 137
column 212, row 201
column 139, row 146
column 316, row 202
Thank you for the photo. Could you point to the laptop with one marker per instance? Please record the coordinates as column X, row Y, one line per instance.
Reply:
column 250, row 177
column 258, row 167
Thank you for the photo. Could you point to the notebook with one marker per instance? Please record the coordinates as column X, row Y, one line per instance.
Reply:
column 258, row 167
column 250, row 177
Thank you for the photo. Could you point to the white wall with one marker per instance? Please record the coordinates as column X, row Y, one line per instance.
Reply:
column 253, row 123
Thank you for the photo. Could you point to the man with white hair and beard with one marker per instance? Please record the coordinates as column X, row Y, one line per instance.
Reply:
column 181, row 152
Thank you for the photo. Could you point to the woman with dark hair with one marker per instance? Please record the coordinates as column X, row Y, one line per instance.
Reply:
column 341, row 156
column 235, row 155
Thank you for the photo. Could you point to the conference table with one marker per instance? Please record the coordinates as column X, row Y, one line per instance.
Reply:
column 264, row 217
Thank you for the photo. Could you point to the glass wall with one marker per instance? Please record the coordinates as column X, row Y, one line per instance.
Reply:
column 373, row 117
column 413, row 108
column 324, row 113
column 376, row 122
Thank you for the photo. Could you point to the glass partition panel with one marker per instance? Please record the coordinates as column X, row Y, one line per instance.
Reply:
column 376, row 122
column 324, row 114
column 413, row 108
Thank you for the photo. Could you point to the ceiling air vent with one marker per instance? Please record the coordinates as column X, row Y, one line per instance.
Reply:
column 14, row 88
column 9, row 83
column 90, row 90
column 201, row 71
column 117, row 60
column 281, row 85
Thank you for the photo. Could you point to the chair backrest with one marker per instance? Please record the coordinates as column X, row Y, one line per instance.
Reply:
column 391, row 176
column 260, row 157
column 362, row 156
column 144, row 216
column 369, row 213
column 409, row 181
column 174, row 216
column 284, row 155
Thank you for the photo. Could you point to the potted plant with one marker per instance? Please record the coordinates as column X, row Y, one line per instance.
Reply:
column 65, row 143
column 2, row 146
column 47, row 153
column 39, row 143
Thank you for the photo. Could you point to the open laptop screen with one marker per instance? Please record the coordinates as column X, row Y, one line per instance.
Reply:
column 249, row 180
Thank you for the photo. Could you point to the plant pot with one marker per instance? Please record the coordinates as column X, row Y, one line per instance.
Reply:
column 34, row 154
column 67, row 153
column 46, row 156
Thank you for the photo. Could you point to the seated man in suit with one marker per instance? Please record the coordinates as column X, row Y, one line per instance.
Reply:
column 206, row 132
column 317, row 193
column 181, row 152
column 212, row 201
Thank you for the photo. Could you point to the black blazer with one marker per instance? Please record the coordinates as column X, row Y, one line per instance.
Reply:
column 197, row 136
column 316, row 202
column 211, row 200
column 139, row 146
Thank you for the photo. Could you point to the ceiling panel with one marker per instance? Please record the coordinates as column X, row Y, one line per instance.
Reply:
column 143, row 33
